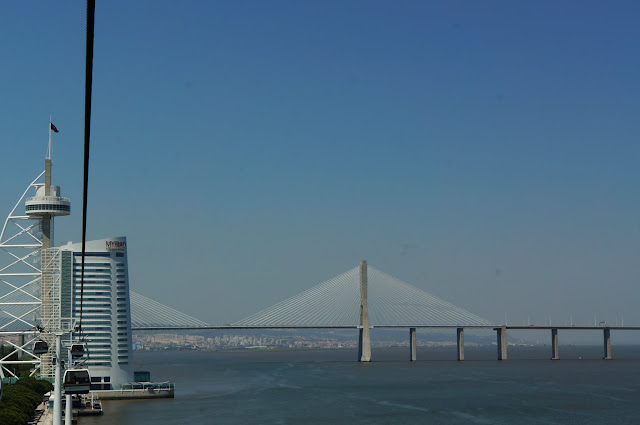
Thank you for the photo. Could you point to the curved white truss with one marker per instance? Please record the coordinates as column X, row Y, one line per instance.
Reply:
column 20, row 279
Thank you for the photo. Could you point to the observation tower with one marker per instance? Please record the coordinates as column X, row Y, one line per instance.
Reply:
column 30, row 295
column 47, row 204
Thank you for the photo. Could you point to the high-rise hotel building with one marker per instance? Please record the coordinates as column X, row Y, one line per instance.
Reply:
column 106, row 311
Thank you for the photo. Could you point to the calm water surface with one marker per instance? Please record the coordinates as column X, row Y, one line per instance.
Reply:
column 329, row 387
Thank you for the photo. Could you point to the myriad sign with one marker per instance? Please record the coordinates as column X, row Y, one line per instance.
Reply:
column 116, row 245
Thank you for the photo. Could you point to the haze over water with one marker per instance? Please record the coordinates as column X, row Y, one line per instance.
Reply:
column 320, row 387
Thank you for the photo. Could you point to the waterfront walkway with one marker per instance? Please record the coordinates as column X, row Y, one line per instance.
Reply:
column 43, row 415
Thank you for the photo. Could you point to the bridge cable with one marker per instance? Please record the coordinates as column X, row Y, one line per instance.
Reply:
column 335, row 302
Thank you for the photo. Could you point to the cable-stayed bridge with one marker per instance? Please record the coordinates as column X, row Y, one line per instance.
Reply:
column 361, row 298
column 331, row 304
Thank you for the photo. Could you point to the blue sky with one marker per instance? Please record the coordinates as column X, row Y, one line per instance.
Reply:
column 486, row 152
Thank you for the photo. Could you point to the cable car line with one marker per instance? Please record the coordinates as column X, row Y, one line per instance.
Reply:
column 77, row 379
column 91, row 10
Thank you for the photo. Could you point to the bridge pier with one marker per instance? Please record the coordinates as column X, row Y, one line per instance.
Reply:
column 501, row 333
column 554, row 344
column 413, row 350
column 460, row 332
column 607, row 344
column 21, row 339
column 364, row 340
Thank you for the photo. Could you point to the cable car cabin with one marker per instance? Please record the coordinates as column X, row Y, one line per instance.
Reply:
column 77, row 381
column 77, row 350
column 40, row 347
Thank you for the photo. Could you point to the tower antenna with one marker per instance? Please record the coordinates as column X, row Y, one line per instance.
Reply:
column 49, row 150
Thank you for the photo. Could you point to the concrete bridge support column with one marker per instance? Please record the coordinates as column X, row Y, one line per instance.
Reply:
column 502, row 342
column 413, row 350
column 607, row 344
column 554, row 344
column 21, row 344
column 460, row 344
column 364, row 340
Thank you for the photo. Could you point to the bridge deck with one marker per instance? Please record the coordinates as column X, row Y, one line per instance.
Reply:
column 532, row 327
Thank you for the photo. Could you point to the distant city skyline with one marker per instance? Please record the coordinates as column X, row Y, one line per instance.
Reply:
column 486, row 153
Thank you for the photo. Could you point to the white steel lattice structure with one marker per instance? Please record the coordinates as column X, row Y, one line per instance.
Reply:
column 20, row 277
column 29, row 277
column 51, row 318
column 20, row 274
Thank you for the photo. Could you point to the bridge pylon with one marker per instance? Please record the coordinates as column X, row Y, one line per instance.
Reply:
column 364, row 340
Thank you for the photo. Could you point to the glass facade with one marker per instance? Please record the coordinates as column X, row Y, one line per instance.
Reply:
column 47, row 207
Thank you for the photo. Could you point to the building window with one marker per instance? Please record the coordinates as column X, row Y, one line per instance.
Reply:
column 92, row 254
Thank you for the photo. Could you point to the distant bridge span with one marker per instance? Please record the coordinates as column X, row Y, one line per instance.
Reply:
column 343, row 303
column 522, row 327
column 501, row 333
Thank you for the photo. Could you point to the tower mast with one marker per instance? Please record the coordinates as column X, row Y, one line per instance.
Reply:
column 47, row 218
column 44, row 206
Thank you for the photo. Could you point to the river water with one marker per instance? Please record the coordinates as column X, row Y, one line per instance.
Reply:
column 329, row 387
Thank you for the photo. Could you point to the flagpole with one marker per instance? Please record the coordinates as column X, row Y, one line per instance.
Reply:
column 49, row 153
